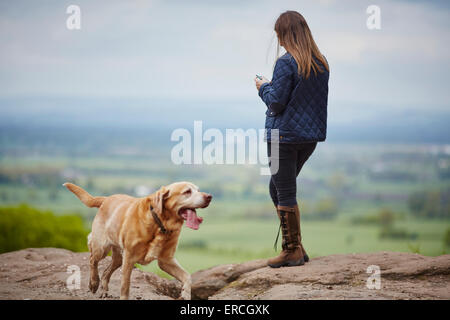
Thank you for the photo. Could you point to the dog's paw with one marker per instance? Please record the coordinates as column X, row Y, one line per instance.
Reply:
column 186, row 290
column 185, row 295
column 93, row 286
column 105, row 295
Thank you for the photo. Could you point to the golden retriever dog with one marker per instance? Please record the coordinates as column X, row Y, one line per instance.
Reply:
column 140, row 230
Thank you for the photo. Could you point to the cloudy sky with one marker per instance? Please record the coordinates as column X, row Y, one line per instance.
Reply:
column 212, row 50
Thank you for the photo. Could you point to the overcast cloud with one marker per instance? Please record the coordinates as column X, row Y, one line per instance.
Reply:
column 212, row 49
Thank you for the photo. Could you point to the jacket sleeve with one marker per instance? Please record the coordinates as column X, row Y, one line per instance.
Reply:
column 276, row 93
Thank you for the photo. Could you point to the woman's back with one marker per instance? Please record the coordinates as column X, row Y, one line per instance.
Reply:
column 303, row 116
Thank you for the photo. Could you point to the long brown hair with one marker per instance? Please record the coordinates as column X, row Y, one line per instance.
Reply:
column 294, row 35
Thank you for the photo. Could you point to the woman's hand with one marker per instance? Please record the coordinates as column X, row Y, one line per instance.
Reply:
column 259, row 82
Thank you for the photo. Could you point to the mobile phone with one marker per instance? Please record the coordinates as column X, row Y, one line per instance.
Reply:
column 259, row 77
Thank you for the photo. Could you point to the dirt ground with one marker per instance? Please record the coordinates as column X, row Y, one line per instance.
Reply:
column 44, row 273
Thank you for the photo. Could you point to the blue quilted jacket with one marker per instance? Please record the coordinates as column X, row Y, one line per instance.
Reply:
column 297, row 107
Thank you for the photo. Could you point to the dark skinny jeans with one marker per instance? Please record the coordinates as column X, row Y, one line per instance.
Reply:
column 283, row 184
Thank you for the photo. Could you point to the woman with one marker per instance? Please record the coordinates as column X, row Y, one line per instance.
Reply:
column 296, row 100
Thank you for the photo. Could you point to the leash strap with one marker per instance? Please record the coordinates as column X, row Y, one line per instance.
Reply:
column 158, row 221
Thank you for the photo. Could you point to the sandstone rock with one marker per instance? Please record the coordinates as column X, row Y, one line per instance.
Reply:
column 42, row 274
column 207, row 282
column 403, row 276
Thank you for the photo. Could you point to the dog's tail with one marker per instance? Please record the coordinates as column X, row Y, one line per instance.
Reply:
column 84, row 196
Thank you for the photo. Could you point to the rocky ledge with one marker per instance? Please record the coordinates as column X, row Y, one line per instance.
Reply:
column 43, row 273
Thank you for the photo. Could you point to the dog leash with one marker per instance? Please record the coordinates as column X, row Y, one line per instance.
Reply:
column 158, row 221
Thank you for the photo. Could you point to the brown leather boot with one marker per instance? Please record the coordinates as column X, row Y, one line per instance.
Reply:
column 297, row 215
column 292, row 253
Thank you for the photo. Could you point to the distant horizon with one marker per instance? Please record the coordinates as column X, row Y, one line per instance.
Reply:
column 374, row 124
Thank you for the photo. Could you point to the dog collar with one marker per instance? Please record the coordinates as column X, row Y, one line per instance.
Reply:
column 158, row 221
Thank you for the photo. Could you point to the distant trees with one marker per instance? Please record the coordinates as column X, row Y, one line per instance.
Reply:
column 338, row 185
column 23, row 227
column 37, row 177
column 430, row 204
column 397, row 233
column 323, row 209
column 392, row 175
column 385, row 218
column 326, row 209
column 447, row 238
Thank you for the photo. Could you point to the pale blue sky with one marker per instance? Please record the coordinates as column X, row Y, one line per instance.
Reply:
column 212, row 50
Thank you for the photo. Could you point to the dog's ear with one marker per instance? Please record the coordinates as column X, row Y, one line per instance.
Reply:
column 158, row 199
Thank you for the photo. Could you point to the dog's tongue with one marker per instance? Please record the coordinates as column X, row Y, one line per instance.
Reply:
column 193, row 221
